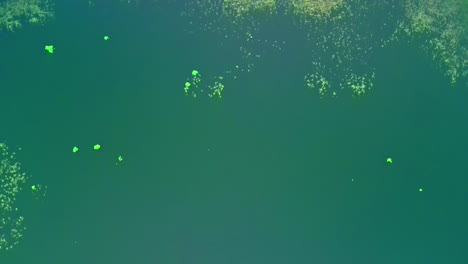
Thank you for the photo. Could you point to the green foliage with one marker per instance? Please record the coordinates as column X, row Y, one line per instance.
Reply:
column 307, row 10
column 14, row 13
column 441, row 27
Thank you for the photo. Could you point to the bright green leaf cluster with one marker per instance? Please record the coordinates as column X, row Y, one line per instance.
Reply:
column 49, row 48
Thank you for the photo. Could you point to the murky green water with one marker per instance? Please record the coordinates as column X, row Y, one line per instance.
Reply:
column 268, row 174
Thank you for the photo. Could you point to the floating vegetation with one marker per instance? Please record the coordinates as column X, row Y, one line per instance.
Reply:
column 341, row 37
column 194, row 88
column 307, row 10
column 233, row 21
column 15, row 13
column 12, row 181
column 440, row 28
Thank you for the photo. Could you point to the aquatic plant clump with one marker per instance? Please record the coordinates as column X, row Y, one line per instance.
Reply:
column 342, row 38
column 15, row 13
column 216, row 89
column 314, row 9
column 11, row 183
column 240, row 10
column 195, row 79
column 440, row 27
